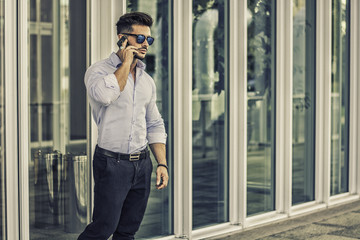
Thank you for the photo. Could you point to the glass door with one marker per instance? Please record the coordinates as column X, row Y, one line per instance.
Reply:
column 340, row 83
column 303, row 142
column 261, row 106
column 210, row 112
column 59, row 180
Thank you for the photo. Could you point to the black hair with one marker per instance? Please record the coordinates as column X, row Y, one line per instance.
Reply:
column 134, row 18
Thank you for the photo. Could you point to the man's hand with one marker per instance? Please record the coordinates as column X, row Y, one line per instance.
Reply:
column 126, row 55
column 162, row 177
column 126, row 52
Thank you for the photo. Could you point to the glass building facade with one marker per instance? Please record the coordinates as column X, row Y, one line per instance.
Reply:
column 304, row 85
column 258, row 98
column 261, row 52
column 58, row 165
column 340, row 84
column 209, row 112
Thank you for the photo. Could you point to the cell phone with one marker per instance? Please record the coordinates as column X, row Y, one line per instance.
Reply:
column 121, row 41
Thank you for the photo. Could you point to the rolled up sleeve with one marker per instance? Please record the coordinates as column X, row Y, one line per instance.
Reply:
column 155, row 124
column 102, row 87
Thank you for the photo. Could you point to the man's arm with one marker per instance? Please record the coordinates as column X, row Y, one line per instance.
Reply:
column 126, row 56
column 159, row 151
column 122, row 74
column 101, row 86
column 156, row 137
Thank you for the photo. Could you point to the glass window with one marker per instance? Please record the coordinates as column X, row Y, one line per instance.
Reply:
column 340, row 97
column 2, row 127
column 209, row 110
column 158, row 219
column 261, row 106
column 46, row 11
column 303, row 141
column 59, row 180
column 32, row 9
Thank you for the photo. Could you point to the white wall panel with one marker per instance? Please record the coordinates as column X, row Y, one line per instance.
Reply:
column 354, row 103
column 284, row 96
column 323, row 101
column 11, row 131
column 182, row 118
column 23, row 90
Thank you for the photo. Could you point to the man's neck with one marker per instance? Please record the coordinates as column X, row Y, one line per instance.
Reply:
column 133, row 66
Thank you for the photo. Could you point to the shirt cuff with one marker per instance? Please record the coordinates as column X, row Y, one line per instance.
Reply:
column 157, row 138
column 111, row 82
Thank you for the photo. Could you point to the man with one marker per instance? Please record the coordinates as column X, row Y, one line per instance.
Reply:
column 123, row 100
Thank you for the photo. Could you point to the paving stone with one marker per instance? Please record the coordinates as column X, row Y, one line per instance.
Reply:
column 270, row 238
column 352, row 232
column 331, row 237
column 306, row 232
column 346, row 220
column 335, row 223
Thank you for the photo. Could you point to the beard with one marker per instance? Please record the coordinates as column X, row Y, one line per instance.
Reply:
column 139, row 57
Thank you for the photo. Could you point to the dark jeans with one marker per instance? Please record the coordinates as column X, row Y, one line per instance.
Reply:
column 121, row 193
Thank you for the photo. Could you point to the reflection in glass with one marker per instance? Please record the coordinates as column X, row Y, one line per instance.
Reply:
column 46, row 87
column 340, row 97
column 2, row 127
column 158, row 218
column 46, row 10
column 303, row 101
column 261, row 106
column 209, row 138
column 33, row 88
column 33, row 12
column 58, row 167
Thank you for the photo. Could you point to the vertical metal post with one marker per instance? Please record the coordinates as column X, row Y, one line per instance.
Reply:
column 183, row 118
column 238, row 111
column 233, row 111
column 284, row 90
column 11, row 116
column 23, row 93
column 323, row 102
column 354, row 160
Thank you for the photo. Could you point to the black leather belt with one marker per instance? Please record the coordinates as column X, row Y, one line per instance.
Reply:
column 129, row 157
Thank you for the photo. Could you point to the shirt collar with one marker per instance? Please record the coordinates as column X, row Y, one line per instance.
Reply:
column 116, row 62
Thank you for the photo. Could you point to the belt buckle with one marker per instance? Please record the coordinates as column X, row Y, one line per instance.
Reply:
column 134, row 157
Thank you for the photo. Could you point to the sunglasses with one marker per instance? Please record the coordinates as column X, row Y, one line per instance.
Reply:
column 141, row 38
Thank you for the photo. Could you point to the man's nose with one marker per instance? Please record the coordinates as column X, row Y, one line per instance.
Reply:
column 145, row 43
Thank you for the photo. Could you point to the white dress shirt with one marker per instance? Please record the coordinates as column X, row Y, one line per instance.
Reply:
column 129, row 120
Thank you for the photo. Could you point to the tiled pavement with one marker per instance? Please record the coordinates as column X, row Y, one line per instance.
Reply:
column 335, row 223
